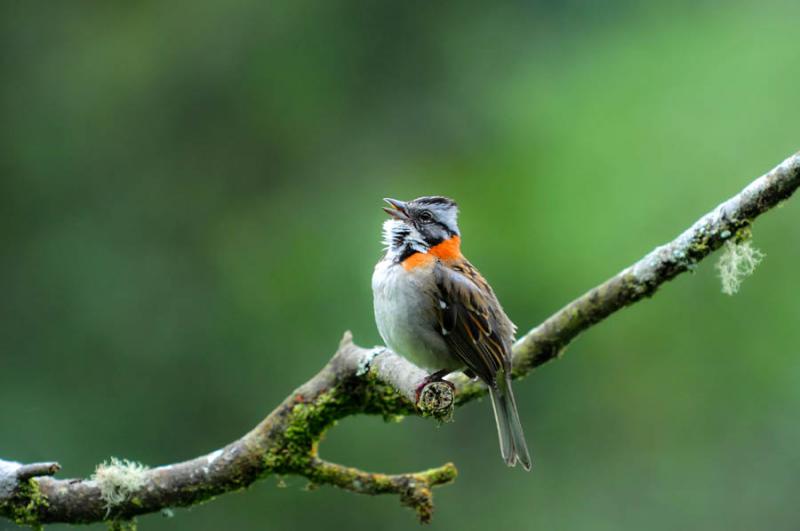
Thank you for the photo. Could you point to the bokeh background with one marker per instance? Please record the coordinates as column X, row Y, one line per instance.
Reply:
column 190, row 206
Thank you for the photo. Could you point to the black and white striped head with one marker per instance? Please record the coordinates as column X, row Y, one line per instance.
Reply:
column 418, row 225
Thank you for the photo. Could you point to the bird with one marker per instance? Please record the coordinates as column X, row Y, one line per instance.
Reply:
column 434, row 308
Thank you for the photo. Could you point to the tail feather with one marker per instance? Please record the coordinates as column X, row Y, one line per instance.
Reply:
column 509, row 428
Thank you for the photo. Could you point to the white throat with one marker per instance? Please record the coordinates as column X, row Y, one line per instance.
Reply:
column 399, row 238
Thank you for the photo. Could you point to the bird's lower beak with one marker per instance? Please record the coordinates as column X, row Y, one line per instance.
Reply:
column 399, row 209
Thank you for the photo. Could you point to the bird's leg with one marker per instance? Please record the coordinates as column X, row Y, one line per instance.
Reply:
column 431, row 378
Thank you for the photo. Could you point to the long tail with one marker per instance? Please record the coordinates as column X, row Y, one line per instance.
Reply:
column 509, row 429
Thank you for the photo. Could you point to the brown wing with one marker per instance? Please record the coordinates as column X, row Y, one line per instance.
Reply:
column 471, row 320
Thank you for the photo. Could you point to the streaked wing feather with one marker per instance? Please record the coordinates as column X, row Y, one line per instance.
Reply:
column 472, row 322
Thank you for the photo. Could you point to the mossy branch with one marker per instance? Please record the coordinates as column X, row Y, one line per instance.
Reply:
column 366, row 381
column 414, row 489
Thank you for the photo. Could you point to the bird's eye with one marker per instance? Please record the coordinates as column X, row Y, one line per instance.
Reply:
column 425, row 216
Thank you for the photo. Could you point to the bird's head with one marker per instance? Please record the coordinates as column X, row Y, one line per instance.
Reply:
column 419, row 225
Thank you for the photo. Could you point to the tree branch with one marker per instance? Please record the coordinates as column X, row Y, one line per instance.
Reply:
column 367, row 381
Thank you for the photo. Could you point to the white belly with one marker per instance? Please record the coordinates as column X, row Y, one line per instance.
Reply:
column 404, row 313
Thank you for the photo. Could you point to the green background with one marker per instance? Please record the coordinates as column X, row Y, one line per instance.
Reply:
column 190, row 208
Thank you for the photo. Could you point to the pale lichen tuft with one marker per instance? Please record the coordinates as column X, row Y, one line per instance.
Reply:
column 737, row 262
column 118, row 480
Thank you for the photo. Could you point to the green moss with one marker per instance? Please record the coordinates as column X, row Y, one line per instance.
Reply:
column 307, row 421
column 122, row 525
column 304, row 428
column 24, row 506
column 699, row 248
column 441, row 475
column 744, row 234
column 383, row 399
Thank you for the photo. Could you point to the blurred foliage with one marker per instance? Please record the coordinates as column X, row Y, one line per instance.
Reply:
column 190, row 210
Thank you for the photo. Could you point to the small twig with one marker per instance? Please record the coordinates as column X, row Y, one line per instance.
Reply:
column 414, row 489
column 37, row 469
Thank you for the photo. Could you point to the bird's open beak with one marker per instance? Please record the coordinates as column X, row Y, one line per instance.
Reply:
column 398, row 210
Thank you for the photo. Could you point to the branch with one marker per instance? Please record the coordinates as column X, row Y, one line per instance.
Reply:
column 730, row 220
column 367, row 381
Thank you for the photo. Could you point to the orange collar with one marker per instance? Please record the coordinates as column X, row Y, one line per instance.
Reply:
column 447, row 250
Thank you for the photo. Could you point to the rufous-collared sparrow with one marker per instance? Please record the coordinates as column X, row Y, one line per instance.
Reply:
column 434, row 308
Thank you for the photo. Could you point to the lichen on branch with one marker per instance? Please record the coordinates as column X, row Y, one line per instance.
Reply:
column 737, row 262
column 119, row 480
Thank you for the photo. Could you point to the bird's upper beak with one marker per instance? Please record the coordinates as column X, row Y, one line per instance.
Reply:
column 399, row 209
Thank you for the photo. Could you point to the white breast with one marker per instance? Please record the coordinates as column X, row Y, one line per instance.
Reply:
column 404, row 312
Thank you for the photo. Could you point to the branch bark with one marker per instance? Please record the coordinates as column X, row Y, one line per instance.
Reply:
column 367, row 381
